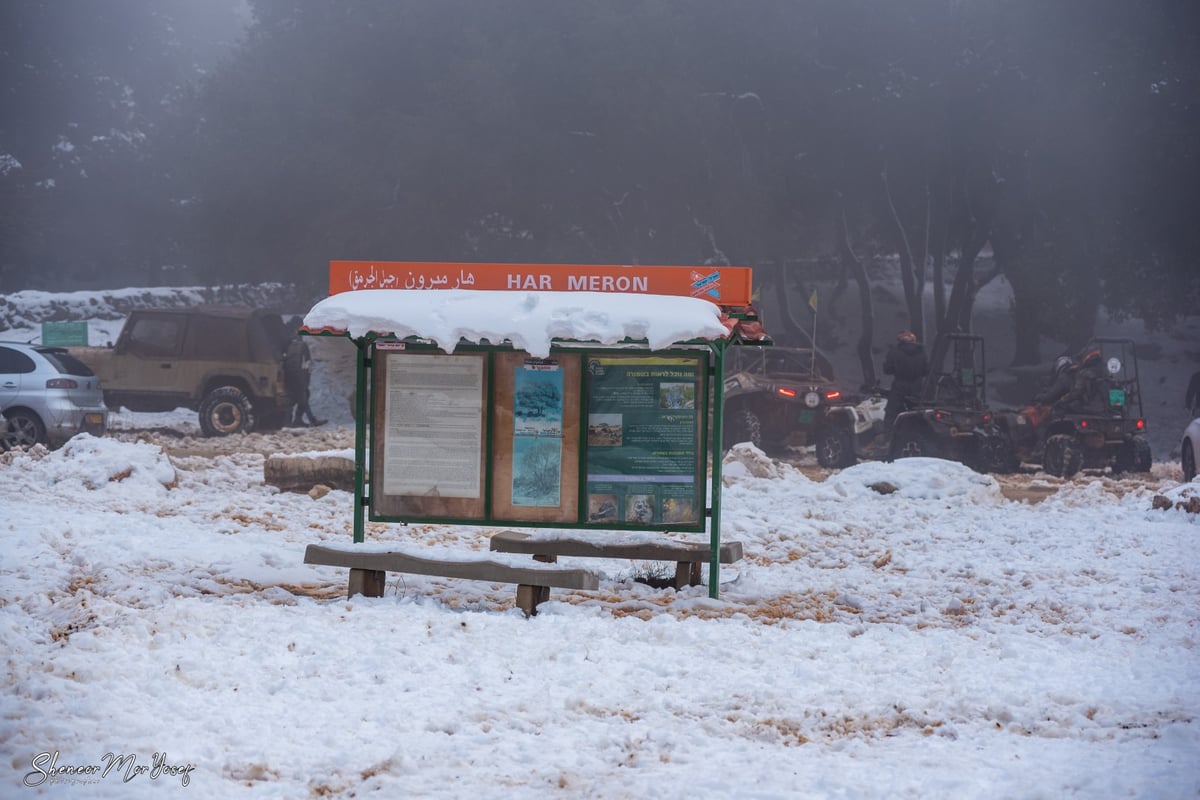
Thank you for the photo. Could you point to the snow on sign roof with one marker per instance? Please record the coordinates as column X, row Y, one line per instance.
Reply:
column 530, row 321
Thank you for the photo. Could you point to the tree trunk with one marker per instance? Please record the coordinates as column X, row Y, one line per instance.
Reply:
column 908, row 273
column 1026, row 329
column 795, row 329
column 866, row 304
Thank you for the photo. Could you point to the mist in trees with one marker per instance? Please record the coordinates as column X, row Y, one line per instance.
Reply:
column 143, row 142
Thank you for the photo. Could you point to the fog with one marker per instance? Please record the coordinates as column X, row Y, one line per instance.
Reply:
column 198, row 142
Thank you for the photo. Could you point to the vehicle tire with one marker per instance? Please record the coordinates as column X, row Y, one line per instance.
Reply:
column 1142, row 459
column 835, row 447
column 226, row 410
column 1063, row 459
column 743, row 426
column 997, row 454
column 1188, row 460
column 24, row 430
column 1132, row 456
column 913, row 444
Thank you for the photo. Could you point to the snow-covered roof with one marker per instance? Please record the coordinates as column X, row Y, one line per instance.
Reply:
column 530, row 321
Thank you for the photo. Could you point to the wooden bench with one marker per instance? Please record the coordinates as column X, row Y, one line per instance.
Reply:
column 688, row 556
column 369, row 568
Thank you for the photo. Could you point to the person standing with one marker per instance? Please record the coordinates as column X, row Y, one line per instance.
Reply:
column 907, row 364
column 297, row 372
column 1192, row 401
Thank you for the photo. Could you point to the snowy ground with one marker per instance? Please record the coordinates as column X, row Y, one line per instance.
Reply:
column 942, row 640
column 961, row 636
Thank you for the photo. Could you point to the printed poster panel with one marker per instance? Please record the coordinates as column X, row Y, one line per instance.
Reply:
column 428, row 434
column 537, row 433
column 643, row 460
column 433, row 416
column 536, row 410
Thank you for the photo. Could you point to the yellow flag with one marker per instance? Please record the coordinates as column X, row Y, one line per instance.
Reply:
column 812, row 301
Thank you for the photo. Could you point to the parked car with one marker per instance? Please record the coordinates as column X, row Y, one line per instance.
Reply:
column 48, row 396
column 1189, row 449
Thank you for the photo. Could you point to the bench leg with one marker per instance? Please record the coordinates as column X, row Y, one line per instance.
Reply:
column 528, row 597
column 367, row 582
column 687, row 573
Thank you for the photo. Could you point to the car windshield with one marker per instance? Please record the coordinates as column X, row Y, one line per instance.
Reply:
column 66, row 363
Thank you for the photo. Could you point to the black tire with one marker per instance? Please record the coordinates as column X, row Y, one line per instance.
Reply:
column 835, row 448
column 1063, row 459
column 1188, row 460
column 743, row 426
column 226, row 410
column 913, row 444
column 1132, row 456
column 1142, row 459
column 24, row 430
column 997, row 454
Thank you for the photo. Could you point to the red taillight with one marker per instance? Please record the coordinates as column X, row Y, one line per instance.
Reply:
column 61, row 383
column 987, row 417
column 832, row 395
column 1141, row 423
column 786, row 392
column 938, row 415
column 1083, row 423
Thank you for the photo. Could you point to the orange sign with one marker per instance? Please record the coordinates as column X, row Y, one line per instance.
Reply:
column 725, row 286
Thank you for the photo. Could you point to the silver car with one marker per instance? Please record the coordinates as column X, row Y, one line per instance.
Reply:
column 1189, row 449
column 47, row 396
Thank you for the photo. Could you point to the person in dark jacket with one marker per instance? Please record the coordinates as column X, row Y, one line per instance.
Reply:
column 1061, row 382
column 1084, row 397
column 1192, row 400
column 907, row 364
column 297, row 367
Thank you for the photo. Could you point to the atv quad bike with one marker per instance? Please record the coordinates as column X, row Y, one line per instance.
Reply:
column 775, row 395
column 844, row 434
column 951, row 418
column 1108, row 430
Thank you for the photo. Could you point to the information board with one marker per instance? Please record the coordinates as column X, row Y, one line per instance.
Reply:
column 427, row 451
column 583, row 438
column 644, row 456
column 65, row 334
column 535, row 438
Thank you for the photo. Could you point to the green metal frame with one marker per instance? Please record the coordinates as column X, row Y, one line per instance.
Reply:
column 579, row 523
column 717, row 450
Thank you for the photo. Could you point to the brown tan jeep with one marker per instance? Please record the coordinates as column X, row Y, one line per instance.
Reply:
column 223, row 361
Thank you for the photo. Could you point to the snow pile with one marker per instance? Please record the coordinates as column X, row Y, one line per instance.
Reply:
column 95, row 464
column 29, row 309
column 916, row 479
column 529, row 320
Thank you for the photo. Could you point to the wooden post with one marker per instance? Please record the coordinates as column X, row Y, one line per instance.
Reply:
column 687, row 573
column 528, row 597
column 367, row 582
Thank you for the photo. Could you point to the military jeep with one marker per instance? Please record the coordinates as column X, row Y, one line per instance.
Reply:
column 224, row 362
